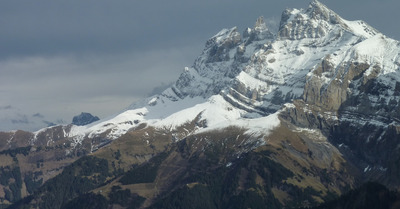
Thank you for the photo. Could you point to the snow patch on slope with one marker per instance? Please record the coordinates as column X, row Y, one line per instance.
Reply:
column 360, row 28
column 379, row 50
column 254, row 127
column 215, row 110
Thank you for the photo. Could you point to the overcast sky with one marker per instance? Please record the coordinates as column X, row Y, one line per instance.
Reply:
column 61, row 58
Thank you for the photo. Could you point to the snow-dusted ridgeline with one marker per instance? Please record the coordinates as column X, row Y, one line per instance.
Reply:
column 241, row 79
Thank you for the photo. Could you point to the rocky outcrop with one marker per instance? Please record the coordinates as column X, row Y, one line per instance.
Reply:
column 316, row 22
column 305, row 25
column 218, row 47
column 355, row 105
column 328, row 85
column 258, row 33
column 84, row 119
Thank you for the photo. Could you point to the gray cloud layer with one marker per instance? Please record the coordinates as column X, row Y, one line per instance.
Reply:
column 59, row 58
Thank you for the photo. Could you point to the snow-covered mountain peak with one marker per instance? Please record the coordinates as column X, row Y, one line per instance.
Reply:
column 251, row 76
column 227, row 37
column 319, row 11
column 319, row 21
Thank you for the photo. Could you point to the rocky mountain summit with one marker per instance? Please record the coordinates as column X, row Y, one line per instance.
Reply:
column 291, row 119
column 84, row 119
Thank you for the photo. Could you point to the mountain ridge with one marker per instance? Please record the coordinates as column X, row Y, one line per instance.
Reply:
column 195, row 79
column 318, row 101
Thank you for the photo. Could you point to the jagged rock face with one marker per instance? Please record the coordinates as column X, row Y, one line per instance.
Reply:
column 316, row 22
column 355, row 103
column 225, row 56
column 209, row 73
column 330, row 96
column 218, row 47
column 84, row 119
column 353, row 99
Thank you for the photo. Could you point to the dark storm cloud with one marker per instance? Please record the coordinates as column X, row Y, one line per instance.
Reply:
column 38, row 115
column 47, row 27
column 53, row 27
